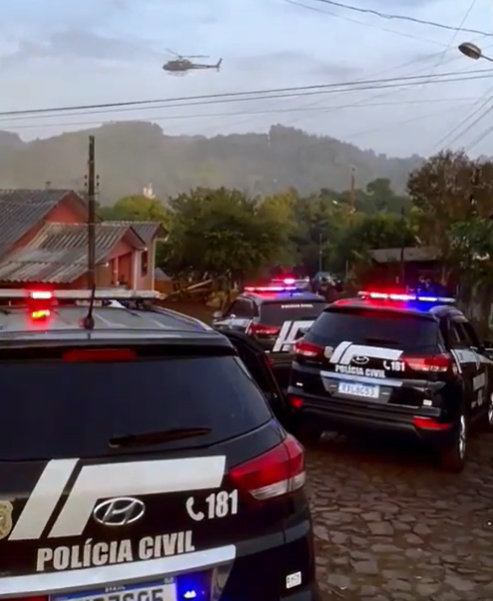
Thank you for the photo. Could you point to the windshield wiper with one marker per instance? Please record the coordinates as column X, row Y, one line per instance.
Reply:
column 156, row 438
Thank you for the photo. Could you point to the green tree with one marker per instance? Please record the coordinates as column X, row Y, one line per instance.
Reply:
column 370, row 232
column 136, row 208
column 471, row 246
column 222, row 234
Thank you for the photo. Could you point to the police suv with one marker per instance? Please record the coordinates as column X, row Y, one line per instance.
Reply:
column 394, row 362
column 139, row 459
column 275, row 316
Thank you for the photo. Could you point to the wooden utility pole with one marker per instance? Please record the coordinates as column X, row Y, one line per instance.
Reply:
column 352, row 190
column 91, row 221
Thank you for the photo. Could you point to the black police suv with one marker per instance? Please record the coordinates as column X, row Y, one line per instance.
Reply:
column 275, row 316
column 140, row 461
column 397, row 363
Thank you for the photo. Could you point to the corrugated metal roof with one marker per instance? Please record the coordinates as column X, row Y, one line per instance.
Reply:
column 20, row 210
column 392, row 255
column 58, row 254
column 147, row 230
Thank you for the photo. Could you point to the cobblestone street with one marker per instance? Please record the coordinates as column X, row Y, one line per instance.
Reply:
column 389, row 526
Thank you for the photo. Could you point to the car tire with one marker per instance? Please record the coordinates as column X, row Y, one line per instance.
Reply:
column 453, row 457
column 486, row 424
column 309, row 434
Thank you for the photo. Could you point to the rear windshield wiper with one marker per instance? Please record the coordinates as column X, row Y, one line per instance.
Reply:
column 155, row 438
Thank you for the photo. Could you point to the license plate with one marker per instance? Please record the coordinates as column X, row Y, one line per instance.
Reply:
column 163, row 590
column 363, row 390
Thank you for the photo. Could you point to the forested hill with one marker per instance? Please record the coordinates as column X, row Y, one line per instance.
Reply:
column 131, row 155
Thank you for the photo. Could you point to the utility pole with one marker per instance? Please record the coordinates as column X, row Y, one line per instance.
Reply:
column 91, row 221
column 352, row 190
column 403, row 261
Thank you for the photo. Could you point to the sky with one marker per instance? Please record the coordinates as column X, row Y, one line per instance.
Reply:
column 55, row 53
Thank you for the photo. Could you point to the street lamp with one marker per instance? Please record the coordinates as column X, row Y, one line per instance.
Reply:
column 472, row 51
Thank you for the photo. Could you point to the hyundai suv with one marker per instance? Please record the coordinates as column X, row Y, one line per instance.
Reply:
column 140, row 461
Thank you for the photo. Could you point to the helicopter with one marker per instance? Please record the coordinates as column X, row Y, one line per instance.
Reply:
column 182, row 64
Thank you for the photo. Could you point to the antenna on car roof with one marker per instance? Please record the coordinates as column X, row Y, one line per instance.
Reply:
column 88, row 321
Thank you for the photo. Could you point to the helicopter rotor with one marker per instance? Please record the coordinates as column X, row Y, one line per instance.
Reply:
column 182, row 57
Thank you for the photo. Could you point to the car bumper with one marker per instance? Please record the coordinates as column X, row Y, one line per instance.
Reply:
column 421, row 423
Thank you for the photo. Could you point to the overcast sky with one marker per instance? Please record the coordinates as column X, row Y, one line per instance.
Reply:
column 58, row 53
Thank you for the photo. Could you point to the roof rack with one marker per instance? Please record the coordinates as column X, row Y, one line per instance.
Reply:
column 116, row 294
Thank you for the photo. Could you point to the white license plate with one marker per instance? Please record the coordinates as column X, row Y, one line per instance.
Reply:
column 156, row 591
column 363, row 390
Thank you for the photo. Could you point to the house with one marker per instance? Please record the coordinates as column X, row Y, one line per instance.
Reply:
column 388, row 264
column 44, row 239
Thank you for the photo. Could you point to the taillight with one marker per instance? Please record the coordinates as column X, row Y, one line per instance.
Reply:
column 307, row 349
column 95, row 355
column 296, row 402
column 278, row 472
column 45, row 598
column 428, row 423
column 433, row 364
column 262, row 331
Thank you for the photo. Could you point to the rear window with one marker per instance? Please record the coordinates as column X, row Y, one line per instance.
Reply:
column 58, row 410
column 402, row 330
column 275, row 314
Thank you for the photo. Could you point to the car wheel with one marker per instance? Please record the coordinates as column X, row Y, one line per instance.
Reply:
column 453, row 457
column 487, row 419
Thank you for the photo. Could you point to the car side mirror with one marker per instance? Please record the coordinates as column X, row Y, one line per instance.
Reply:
column 217, row 315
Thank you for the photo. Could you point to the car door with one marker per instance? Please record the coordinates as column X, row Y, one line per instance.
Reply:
column 238, row 316
column 468, row 362
column 481, row 383
column 258, row 365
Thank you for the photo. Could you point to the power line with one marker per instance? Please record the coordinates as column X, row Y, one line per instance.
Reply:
column 363, row 23
column 391, row 16
column 454, row 36
column 272, row 93
column 480, row 105
column 261, row 112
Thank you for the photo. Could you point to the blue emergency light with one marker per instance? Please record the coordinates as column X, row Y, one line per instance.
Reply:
column 406, row 297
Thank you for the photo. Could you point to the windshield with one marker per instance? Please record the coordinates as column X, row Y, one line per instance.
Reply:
column 275, row 314
column 375, row 327
column 57, row 410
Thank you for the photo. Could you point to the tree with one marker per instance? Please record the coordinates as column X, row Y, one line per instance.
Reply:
column 471, row 244
column 136, row 208
column 371, row 232
column 221, row 233
column 449, row 188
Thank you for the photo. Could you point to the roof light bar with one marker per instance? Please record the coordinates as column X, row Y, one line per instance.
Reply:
column 81, row 295
column 404, row 297
column 271, row 288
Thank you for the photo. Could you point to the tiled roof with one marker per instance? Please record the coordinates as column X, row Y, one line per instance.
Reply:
column 20, row 210
column 58, row 254
column 147, row 230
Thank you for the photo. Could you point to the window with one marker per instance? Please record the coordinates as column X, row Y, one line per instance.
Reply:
column 241, row 308
column 55, row 410
column 275, row 314
column 406, row 331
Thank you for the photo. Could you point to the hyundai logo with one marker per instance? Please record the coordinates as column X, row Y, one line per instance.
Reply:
column 360, row 360
column 120, row 511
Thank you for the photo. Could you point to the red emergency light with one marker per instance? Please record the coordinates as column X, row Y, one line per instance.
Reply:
column 40, row 304
column 284, row 285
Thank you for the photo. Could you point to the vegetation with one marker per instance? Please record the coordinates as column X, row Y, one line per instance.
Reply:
column 130, row 155
column 225, row 233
